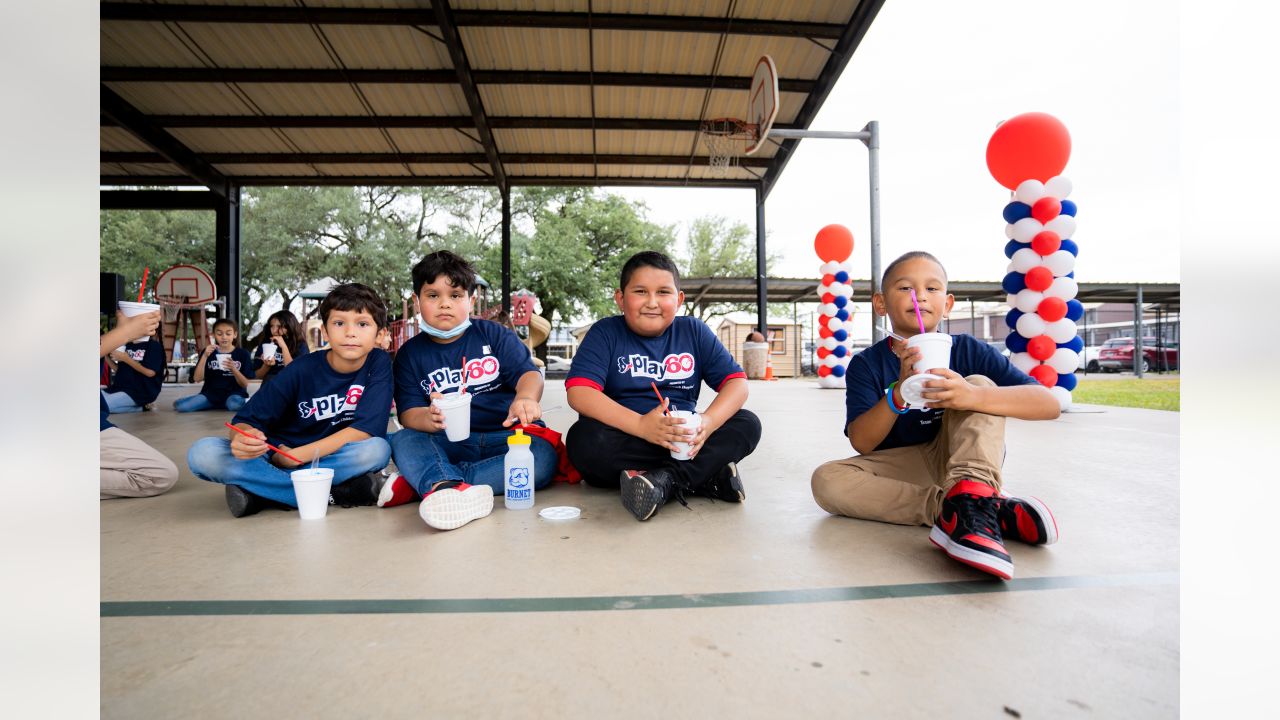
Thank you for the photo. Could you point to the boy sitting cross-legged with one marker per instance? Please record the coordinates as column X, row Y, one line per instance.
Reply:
column 332, row 404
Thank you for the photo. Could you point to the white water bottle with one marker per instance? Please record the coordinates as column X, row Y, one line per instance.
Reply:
column 517, row 472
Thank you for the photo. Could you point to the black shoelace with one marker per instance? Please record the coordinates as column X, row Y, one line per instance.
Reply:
column 978, row 513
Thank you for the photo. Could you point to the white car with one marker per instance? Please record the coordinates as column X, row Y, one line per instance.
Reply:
column 558, row 364
column 1089, row 359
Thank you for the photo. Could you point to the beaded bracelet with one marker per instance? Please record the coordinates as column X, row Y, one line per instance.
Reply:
column 888, row 397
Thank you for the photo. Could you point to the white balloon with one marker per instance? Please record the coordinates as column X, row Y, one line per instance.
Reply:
column 848, row 324
column 824, row 289
column 844, row 361
column 1026, row 229
column 834, row 323
column 1059, row 187
column 847, row 266
column 1064, row 360
column 1023, row 361
column 831, row 267
column 1011, row 299
column 1061, row 331
column 1062, row 395
column 1029, row 191
column 1028, row 300
column 1030, row 325
column 1064, row 225
column 845, row 290
column 1060, row 262
column 1025, row 259
column 1063, row 287
column 1008, row 231
column 829, row 309
column 831, row 382
column 829, row 343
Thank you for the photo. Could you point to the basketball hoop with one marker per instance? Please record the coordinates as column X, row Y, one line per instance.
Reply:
column 725, row 139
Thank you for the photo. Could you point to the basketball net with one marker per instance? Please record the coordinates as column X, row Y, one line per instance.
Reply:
column 725, row 138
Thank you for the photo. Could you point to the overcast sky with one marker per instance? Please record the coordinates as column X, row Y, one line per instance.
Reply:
column 939, row 76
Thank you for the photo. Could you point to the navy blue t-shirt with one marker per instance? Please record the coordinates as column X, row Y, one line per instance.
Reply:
column 279, row 366
column 310, row 400
column 221, row 384
column 622, row 364
column 142, row 389
column 496, row 360
column 871, row 371
column 103, row 412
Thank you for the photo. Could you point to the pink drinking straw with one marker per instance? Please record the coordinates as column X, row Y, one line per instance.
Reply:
column 917, row 307
column 143, row 289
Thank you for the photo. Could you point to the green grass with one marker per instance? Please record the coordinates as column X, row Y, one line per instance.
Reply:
column 1151, row 394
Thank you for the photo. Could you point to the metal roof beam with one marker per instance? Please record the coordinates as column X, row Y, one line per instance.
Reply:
column 167, row 146
column 412, row 181
column 466, row 18
column 159, row 200
column 467, row 83
column 419, row 122
column 435, row 77
column 418, row 158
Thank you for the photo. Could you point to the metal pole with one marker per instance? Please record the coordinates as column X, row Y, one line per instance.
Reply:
column 506, row 251
column 873, row 162
column 1087, row 338
column 1137, row 334
column 862, row 135
column 762, row 282
column 226, row 266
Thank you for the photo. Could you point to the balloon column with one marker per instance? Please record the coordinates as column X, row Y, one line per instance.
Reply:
column 1026, row 154
column 834, row 245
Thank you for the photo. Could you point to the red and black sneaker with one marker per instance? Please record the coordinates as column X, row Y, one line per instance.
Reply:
column 453, row 503
column 968, row 530
column 396, row 491
column 1027, row 520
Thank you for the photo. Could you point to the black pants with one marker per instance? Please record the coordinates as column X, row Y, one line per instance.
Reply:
column 601, row 452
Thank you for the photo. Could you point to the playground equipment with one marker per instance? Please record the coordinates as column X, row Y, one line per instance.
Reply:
column 183, row 292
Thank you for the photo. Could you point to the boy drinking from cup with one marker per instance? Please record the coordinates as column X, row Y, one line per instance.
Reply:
column 626, row 438
column 460, row 384
column 331, row 404
column 939, row 466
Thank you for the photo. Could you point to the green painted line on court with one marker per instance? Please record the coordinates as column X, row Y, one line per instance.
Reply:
column 178, row 608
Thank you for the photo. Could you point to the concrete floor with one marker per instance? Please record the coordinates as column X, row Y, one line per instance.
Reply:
column 770, row 608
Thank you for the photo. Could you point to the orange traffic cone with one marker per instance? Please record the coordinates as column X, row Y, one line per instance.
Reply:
column 768, row 369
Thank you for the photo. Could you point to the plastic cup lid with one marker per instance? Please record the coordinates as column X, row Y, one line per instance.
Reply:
column 560, row 512
column 913, row 386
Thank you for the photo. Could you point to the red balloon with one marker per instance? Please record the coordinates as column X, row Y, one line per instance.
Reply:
column 828, row 279
column 1045, row 375
column 823, row 371
column 1052, row 309
column 1029, row 146
column 1046, row 209
column 1041, row 347
column 1046, row 242
column 834, row 243
column 824, row 332
column 1039, row 278
column 828, row 298
column 823, row 352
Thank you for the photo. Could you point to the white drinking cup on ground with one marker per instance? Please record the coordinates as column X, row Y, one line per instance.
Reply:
column 311, row 487
column 457, row 415
column 132, row 309
column 692, row 421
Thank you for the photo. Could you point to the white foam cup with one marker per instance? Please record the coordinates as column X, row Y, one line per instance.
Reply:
column 268, row 350
column 692, row 421
column 311, row 489
column 131, row 309
column 935, row 350
column 457, row 415
column 223, row 361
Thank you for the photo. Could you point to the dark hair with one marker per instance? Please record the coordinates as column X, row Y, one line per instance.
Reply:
column 354, row 297
column 442, row 262
column 227, row 321
column 913, row 255
column 647, row 258
column 292, row 331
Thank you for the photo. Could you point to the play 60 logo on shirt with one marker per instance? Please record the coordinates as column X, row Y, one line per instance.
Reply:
column 323, row 408
column 672, row 367
column 479, row 372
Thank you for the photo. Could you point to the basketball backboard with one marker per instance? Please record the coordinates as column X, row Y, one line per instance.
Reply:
column 762, row 103
column 185, row 283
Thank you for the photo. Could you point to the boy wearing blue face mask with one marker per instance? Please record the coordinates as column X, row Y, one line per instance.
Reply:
column 457, row 480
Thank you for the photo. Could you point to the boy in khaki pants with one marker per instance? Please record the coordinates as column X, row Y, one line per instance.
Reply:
column 938, row 467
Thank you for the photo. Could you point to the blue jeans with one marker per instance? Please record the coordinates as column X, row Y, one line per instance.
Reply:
column 197, row 402
column 427, row 458
column 120, row 402
column 210, row 459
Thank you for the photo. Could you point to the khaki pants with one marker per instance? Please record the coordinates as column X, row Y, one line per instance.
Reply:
column 906, row 485
column 132, row 468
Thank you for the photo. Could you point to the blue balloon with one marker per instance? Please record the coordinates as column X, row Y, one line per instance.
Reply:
column 842, row 314
column 840, row 301
column 1075, row 310
column 1068, row 208
column 1012, row 247
column 1014, row 283
column 840, row 351
column 842, row 277
column 1067, row 380
column 1071, row 247
column 1015, row 342
column 1075, row 344
column 840, row 336
column 1072, row 274
column 1012, row 318
column 1015, row 211
column 838, row 371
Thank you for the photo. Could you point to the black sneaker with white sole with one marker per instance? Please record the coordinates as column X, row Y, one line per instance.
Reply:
column 243, row 503
column 357, row 492
column 725, row 485
column 644, row 492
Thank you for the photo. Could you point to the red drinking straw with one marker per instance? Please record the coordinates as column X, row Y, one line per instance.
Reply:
column 917, row 307
column 273, row 447
column 143, row 289
column 654, row 385
column 463, row 390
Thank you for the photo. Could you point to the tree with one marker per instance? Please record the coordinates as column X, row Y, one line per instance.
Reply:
column 131, row 240
column 717, row 249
